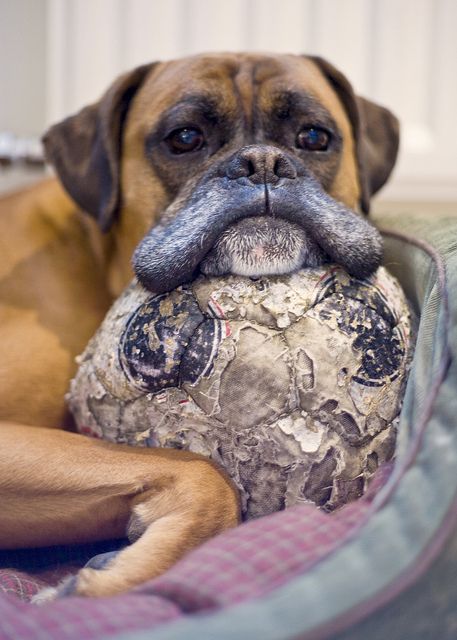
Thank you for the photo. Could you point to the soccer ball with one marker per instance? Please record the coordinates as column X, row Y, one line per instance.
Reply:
column 292, row 383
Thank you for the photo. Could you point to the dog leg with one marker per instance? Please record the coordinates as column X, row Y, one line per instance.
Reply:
column 169, row 533
column 62, row 488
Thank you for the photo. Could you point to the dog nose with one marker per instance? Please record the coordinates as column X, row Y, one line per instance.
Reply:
column 262, row 164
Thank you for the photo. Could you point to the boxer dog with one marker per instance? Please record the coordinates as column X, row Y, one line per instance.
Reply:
column 226, row 163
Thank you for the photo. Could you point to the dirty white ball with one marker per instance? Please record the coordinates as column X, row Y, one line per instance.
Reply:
column 292, row 383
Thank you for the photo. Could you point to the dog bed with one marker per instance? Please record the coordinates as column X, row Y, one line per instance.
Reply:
column 383, row 566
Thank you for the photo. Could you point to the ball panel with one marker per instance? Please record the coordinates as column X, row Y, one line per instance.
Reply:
column 205, row 392
column 255, row 385
column 200, row 351
column 155, row 341
column 275, row 302
column 101, row 355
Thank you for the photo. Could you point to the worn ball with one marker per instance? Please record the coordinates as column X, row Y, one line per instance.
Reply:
column 292, row 383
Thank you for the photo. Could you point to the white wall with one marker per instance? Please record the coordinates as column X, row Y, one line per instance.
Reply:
column 402, row 53
column 22, row 65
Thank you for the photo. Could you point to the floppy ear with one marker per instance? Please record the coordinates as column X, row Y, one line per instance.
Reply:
column 376, row 133
column 85, row 149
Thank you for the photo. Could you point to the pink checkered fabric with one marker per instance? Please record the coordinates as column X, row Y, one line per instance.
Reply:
column 20, row 584
column 26, row 585
column 244, row 563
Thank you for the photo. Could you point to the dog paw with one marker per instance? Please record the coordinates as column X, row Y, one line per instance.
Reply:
column 44, row 596
column 74, row 585
column 101, row 560
column 48, row 594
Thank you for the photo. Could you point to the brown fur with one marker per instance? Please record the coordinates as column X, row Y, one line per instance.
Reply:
column 58, row 276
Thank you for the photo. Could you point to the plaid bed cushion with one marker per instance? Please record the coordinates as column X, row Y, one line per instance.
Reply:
column 19, row 583
column 241, row 564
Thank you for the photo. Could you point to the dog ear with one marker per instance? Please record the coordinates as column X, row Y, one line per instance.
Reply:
column 85, row 149
column 376, row 133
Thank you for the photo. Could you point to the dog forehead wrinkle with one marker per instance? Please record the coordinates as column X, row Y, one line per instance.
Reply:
column 296, row 102
column 207, row 104
column 244, row 90
column 255, row 78
column 191, row 107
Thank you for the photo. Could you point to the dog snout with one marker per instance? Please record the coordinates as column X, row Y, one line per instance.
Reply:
column 261, row 164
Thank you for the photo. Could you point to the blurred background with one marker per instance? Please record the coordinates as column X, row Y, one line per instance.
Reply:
column 58, row 55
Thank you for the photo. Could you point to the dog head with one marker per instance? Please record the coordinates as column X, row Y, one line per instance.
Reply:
column 230, row 163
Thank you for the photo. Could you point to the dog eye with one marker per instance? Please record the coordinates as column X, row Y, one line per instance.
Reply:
column 185, row 140
column 313, row 139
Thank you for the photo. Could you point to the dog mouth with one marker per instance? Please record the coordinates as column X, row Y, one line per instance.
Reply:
column 230, row 225
column 262, row 246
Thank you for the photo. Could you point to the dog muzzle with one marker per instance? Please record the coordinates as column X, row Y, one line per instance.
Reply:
column 255, row 214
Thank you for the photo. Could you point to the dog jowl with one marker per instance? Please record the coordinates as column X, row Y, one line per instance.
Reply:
column 243, row 164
